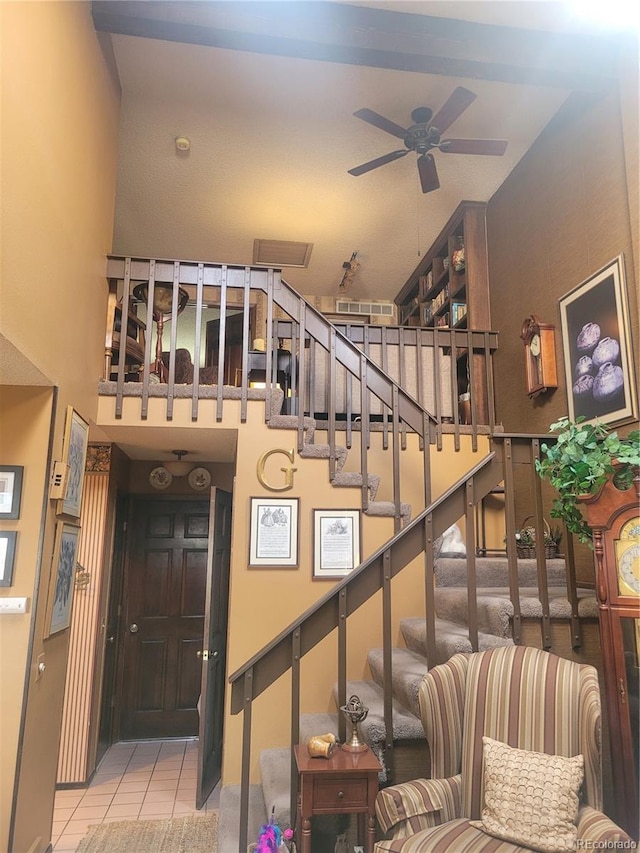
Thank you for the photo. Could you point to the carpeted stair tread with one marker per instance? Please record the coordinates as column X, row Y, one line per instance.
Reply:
column 323, row 451
column 317, row 724
column 229, row 817
column 388, row 509
column 407, row 671
column 494, row 572
column 451, row 638
column 355, row 479
column 495, row 609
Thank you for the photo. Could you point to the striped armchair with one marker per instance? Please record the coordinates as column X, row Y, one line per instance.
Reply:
column 524, row 697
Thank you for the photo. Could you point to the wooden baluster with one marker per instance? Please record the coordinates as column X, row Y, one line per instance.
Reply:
column 122, row 355
column 295, row 718
column 429, row 591
column 196, row 343
column 144, row 409
column 342, row 662
column 246, row 341
column 387, row 666
column 510, row 524
column 246, row 761
column 541, row 560
column 173, row 337
column 269, row 343
column 222, row 340
column 472, row 582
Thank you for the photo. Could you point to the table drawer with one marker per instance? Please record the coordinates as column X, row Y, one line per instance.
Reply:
column 340, row 793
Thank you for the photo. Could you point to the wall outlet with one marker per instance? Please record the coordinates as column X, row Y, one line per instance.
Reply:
column 13, row 605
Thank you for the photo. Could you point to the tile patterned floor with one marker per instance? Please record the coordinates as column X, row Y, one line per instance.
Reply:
column 135, row 781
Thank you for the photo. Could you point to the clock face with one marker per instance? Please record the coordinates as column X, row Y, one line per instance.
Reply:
column 534, row 346
column 628, row 559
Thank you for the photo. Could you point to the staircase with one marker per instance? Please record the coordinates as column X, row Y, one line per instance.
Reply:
column 409, row 665
column 468, row 605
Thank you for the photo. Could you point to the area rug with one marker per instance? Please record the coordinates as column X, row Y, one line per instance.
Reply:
column 191, row 834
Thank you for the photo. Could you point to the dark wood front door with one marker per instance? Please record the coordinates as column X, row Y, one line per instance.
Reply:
column 164, row 607
column 214, row 655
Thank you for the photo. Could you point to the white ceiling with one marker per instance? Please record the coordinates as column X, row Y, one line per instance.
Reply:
column 272, row 139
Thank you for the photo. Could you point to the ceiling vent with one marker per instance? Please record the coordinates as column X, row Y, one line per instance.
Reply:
column 383, row 309
column 281, row 253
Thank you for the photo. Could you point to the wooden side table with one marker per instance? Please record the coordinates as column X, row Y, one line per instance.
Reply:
column 346, row 783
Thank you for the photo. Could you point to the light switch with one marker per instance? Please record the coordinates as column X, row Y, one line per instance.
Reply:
column 13, row 605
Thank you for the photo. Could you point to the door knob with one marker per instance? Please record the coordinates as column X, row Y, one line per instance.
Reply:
column 111, row 639
column 133, row 628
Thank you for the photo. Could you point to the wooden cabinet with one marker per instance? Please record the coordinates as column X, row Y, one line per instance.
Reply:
column 615, row 519
column 450, row 289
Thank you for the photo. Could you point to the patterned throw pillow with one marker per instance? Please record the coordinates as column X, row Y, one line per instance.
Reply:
column 530, row 798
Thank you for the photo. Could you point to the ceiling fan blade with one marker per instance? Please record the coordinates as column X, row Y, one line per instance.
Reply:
column 379, row 161
column 474, row 146
column 428, row 173
column 381, row 122
column 458, row 102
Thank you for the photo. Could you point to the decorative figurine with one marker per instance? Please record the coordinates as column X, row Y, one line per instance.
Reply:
column 322, row 746
column 355, row 712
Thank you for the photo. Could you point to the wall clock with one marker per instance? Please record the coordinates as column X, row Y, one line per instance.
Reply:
column 539, row 356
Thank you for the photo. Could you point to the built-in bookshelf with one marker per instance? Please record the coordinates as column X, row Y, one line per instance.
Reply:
column 450, row 286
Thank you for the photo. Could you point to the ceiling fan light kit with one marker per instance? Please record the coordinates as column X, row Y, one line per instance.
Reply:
column 425, row 136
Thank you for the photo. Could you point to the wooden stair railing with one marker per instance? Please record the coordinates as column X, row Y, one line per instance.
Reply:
column 512, row 459
column 238, row 286
column 332, row 611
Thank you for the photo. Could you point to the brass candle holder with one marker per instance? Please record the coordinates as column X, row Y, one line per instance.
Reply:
column 355, row 712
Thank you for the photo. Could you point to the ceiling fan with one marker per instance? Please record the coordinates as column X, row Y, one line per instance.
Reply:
column 425, row 135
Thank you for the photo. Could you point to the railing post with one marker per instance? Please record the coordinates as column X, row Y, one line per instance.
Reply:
column 387, row 665
column 510, row 532
column 196, row 344
column 429, row 587
column 246, row 761
column 572, row 591
column 472, row 582
column 342, row 662
column 295, row 720
column 126, row 295
column 397, row 519
column 541, row 560
column 222, row 338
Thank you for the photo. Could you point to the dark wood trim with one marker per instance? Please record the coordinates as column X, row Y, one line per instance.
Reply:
column 379, row 38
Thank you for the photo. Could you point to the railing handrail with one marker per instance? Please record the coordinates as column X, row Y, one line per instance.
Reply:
column 449, row 506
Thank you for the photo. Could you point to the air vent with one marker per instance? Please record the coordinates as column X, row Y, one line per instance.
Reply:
column 383, row 309
column 281, row 253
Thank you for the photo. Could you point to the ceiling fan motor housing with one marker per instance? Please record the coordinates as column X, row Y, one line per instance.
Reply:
column 421, row 137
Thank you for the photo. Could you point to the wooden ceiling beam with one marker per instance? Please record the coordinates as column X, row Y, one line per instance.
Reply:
column 379, row 38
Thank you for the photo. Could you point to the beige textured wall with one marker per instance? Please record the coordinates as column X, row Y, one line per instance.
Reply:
column 562, row 214
column 60, row 108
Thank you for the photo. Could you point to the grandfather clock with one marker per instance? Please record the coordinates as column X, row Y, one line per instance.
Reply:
column 614, row 517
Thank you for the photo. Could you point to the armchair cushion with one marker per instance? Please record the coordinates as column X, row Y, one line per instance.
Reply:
column 600, row 831
column 530, row 797
column 410, row 807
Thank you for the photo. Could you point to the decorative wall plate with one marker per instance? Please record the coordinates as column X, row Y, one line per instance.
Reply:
column 160, row 478
column 199, row 479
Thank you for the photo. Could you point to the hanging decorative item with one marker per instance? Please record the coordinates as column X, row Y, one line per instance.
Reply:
column 160, row 478
column 199, row 479
column 350, row 268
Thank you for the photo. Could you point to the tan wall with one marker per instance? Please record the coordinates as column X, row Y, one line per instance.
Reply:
column 265, row 601
column 59, row 135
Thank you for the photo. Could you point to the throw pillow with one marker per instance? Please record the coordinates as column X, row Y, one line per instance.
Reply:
column 530, row 798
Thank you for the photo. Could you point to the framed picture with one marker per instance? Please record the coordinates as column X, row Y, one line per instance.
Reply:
column 62, row 577
column 74, row 454
column 7, row 556
column 273, row 539
column 336, row 542
column 596, row 342
column 10, row 490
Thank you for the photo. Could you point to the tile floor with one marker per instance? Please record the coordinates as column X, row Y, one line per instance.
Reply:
column 135, row 781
